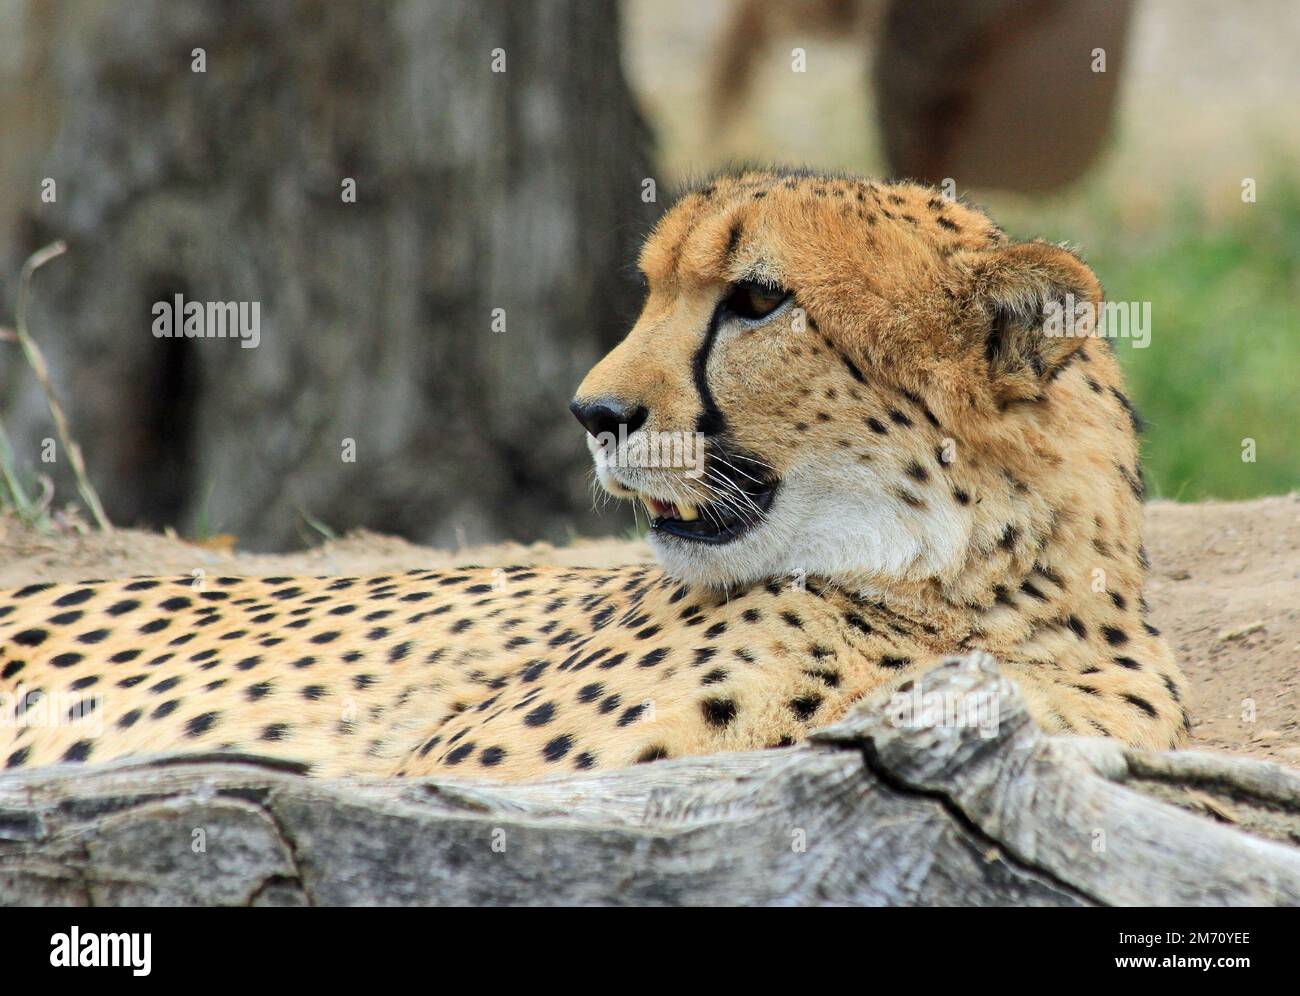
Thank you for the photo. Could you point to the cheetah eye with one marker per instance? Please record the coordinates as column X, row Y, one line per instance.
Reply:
column 753, row 301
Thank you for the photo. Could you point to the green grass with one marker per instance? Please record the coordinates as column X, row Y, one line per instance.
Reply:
column 23, row 494
column 1224, row 358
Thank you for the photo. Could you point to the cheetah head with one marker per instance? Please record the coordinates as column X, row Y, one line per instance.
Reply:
column 837, row 377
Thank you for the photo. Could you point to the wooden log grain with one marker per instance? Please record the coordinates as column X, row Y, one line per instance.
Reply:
column 870, row 811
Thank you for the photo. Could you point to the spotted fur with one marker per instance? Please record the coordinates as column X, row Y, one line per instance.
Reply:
column 944, row 477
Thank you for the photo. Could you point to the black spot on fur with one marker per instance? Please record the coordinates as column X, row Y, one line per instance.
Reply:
column 805, row 706
column 1009, row 536
column 74, row 597
column 200, row 724
column 718, row 712
column 129, row 719
column 858, row 623
column 653, row 658
column 78, row 752
column 460, row 753
column 1033, row 592
column 655, row 753
column 631, row 714
column 827, row 676
column 1172, row 687
column 589, row 693
column 30, row 637
column 1136, row 420
column 853, row 370
column 907, row 498
column 1136, row 482
column 166, row 685
column 733, row 239
column 1140, row 703
column 540, row 716
column 557, row 748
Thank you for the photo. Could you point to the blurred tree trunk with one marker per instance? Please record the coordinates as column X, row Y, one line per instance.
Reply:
column 475, row 191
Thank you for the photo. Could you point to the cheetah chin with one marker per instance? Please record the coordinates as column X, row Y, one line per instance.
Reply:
column 824, row 519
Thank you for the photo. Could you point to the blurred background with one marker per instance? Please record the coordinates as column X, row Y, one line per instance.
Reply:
column 420, row 341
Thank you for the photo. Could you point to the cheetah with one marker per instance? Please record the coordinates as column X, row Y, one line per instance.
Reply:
column 900, row 461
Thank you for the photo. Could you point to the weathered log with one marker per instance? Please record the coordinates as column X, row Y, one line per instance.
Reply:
column 872, row 810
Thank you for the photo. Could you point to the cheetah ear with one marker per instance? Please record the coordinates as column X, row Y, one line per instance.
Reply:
column 1035, row 305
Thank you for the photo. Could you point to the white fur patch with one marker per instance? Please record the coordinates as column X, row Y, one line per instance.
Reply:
column 828, row 520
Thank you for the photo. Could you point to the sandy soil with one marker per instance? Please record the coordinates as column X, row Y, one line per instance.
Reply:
column 1223, row 588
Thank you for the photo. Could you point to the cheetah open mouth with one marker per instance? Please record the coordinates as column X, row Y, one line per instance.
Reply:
column 742, row 508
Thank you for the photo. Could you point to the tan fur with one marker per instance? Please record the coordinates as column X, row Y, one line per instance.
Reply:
column 887, row 365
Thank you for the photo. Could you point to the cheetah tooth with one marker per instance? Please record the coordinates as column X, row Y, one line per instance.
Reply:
column 658, row 509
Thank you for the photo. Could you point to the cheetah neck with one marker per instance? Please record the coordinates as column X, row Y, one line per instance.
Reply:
column 1047, row 568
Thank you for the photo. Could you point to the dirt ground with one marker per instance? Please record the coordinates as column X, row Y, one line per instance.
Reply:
column 1223, row 588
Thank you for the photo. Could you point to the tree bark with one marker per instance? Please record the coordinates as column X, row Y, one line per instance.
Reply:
column 870, row 811
column 475, row 190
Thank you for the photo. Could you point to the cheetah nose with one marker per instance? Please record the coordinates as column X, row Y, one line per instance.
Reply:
column 602, row 415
